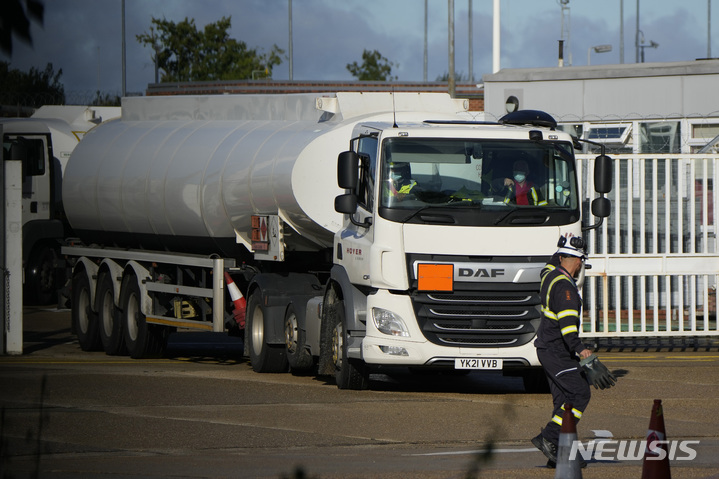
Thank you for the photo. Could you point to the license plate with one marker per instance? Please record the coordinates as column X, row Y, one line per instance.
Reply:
column 477, row 363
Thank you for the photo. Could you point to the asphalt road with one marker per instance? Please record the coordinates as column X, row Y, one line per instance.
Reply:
column 202, row 412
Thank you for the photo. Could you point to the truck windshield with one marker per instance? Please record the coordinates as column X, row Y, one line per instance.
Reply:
column 478, row 182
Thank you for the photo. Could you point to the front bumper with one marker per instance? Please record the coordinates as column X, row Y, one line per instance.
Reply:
column 415, row 350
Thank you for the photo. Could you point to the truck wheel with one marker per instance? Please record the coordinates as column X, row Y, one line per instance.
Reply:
column 143, row 340
column 349, row 373
column 298, row 356
column 111, row 334
column 265, row 358
column 84, row 320
column 40, row 287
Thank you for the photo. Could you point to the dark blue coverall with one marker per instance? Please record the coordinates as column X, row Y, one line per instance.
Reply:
column 558, row 345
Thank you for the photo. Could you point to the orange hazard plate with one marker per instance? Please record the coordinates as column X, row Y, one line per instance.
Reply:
column 435, row 277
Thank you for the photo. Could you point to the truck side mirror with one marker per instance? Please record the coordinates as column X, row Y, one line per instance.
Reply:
column 18, row 151
column 348, row 170
column 602, row 174
column 346, row 204
column 601, row 207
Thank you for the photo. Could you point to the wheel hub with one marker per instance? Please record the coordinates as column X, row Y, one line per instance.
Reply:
column 133, row 310
column 337, row 346
column 257, row 332
column 84, row 311
column 291, row 334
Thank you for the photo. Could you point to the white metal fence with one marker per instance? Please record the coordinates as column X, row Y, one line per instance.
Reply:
column 655, row 260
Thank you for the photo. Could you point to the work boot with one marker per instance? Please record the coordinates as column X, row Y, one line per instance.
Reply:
column 548, row 449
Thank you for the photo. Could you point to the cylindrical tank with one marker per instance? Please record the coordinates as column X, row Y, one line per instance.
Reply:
column 171, row 182
column 186, row 173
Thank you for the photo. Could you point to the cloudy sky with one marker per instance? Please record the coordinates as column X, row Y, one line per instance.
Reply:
column 83, row 37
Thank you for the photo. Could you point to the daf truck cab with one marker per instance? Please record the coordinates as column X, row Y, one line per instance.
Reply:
column 442, row 252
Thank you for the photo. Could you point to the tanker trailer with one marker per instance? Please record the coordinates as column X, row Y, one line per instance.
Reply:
column 297, row 202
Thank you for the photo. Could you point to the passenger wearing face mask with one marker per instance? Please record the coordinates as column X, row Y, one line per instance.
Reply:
column 520, row 190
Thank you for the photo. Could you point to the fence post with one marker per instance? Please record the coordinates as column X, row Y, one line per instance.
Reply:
column 12, row 256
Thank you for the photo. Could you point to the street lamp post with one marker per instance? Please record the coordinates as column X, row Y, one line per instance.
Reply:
column 597, row 49
column 451, row 78
column 641, row 45
column 564, row 5
column 636, row 36
column 652, row 44
column 289, row 46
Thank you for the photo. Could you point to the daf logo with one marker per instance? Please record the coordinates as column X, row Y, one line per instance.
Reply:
column 495, row 272
column 480, row 273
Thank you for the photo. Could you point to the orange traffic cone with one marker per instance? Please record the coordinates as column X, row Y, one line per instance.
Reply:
column 237, row 299
column 567, row 467
column 656, row 456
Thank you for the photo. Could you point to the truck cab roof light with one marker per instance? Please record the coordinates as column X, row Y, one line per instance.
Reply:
column 529, row 117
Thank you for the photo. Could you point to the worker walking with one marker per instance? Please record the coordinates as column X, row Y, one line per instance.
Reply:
column 559, row 348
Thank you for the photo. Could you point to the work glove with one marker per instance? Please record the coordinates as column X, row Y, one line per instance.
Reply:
column 597, row 373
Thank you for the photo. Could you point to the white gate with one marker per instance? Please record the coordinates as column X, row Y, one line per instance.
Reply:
column 655, row 260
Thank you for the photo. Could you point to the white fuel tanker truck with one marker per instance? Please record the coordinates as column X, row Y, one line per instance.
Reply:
column 364, row 229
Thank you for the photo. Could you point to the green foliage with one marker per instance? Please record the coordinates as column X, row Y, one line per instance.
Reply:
column 106, row 99
column 15, row 19
column 374, row 67
column 34, row 88
column 183, row 53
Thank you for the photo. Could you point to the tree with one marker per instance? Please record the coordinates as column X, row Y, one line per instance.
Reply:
column 34, row 88
column 374, row 67
column 15, row 19
column 185, row 54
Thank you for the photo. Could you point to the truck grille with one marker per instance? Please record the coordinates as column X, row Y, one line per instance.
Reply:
column 482, row 315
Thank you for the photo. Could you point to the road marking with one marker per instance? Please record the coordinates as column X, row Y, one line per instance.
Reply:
column 693, row 357
column 656, row 359
column 52, row 361
column 599, row 434
column 476, row 451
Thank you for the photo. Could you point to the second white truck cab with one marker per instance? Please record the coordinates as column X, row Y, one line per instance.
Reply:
column 46, row 139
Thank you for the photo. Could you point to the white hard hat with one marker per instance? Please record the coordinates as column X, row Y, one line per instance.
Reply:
column 567, row 251
column 576, row 246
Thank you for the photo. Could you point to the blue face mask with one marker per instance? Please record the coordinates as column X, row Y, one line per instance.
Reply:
column 519, row 177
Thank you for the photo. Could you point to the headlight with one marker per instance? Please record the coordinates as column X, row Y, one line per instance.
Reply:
column 388, row 323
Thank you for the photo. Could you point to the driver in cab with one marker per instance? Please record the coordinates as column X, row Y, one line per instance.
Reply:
column 400, row 182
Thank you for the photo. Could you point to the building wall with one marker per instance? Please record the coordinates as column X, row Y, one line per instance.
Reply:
column 470, row 91
column 630, row 91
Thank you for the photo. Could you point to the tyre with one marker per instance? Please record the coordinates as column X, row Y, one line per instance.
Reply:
column 40, row 287
column 84, row 320
column 265, row 358
column 298, row 357
column 349, row 373
column 111, row 333
column 141, row 339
